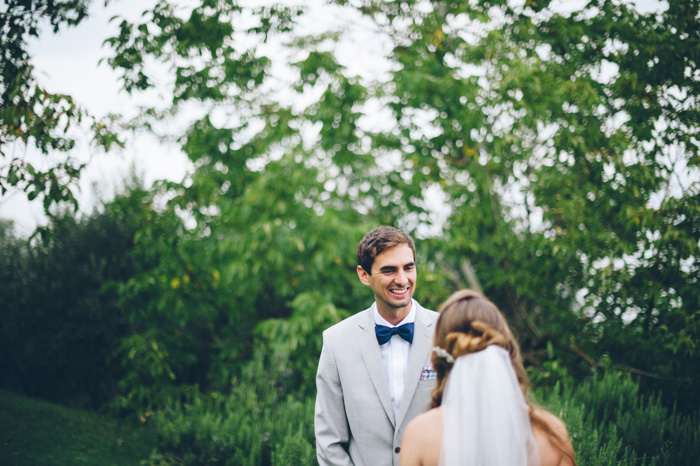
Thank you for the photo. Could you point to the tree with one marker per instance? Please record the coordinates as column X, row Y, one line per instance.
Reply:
column 60, row 321
column 563, row 144
column 234, row 244
column 33, row 118
column 567, row 145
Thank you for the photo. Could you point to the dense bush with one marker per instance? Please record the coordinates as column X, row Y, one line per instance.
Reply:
column 611, row 423
column 295, row 343
column 257, row 423
column 260, row 423
column 59, row 318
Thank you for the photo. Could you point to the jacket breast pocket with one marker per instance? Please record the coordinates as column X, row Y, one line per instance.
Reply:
column 428, row 373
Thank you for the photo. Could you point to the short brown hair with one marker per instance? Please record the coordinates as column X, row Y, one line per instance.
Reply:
column 379, row 240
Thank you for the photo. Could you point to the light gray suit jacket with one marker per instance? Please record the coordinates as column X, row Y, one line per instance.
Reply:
column 354, row 419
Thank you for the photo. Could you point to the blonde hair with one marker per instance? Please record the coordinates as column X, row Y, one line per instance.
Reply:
column 469, row 323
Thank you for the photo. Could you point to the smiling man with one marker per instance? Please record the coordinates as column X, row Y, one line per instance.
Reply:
column 374, row 374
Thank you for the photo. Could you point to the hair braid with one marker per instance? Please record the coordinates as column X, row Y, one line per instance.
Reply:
column 478, row 337
column 481, row 336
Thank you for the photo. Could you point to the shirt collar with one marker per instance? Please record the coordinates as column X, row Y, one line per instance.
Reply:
column 379, row 320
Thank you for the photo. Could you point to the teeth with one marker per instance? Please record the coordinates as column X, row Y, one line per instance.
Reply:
column 399, row 291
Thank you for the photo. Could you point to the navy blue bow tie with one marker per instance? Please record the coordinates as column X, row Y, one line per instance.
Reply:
column 385, row 333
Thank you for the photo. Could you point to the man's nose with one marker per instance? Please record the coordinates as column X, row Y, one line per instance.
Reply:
column 401, row 277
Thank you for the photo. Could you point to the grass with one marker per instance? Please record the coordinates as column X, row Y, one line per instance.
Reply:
column 37, row 433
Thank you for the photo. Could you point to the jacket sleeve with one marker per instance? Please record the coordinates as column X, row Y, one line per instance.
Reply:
column 330, row 420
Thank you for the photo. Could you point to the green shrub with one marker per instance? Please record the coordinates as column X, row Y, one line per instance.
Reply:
column 262, row 423
column 148, row 381
column 611, row 423
column 60, row 320
column 294, row 450
column 255, row 424
column 295, row 342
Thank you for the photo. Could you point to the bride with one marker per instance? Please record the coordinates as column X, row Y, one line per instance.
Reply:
column 481, row 415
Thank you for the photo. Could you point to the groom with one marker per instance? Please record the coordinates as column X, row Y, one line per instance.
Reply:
column 374, row 373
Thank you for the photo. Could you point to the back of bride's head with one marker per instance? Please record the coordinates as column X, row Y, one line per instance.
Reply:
column 468, row 323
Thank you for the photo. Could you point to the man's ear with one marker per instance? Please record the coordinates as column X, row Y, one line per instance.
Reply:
column 364, row 276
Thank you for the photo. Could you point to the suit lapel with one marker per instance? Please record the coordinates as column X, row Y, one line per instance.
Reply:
column 372, row 357
column 420, row 348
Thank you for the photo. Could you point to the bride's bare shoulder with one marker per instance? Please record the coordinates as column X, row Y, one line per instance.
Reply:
column 550, row 455
column 429, row 421
column 421, row 440
column 556, row 424
column 432, row 415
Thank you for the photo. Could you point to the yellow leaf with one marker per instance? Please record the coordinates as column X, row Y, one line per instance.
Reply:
column 175, row 283
column 438, row 37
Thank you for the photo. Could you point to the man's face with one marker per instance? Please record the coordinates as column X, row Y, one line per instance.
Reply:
column 393, row 280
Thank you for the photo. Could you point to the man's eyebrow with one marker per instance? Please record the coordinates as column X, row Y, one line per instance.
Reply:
column 387, row 268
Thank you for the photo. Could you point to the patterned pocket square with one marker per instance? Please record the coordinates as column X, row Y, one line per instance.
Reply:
column 428, row 373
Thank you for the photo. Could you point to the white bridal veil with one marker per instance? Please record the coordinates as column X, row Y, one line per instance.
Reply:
column 486, row 417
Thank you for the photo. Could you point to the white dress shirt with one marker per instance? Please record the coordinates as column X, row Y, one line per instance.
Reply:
column 395, row 357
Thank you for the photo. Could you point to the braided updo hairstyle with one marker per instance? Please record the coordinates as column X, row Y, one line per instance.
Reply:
column 469, row 323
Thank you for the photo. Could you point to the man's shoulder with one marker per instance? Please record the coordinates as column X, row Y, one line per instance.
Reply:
column 349, row 323
column 431, row 315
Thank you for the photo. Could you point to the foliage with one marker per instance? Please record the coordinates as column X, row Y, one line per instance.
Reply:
column 562, row 182
column 295, row 342
column 59, row 319
column 200, row 290
column 38, row 433
column 611, row 422
column 34, row 117
column 257, row 423
column 147, row 373
column 550, row 372
column 563, row 146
